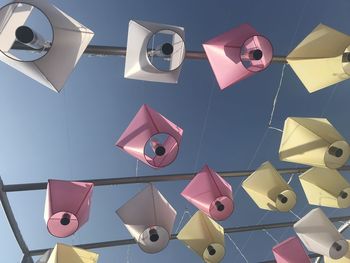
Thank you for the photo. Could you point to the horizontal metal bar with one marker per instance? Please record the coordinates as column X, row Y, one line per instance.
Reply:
column 116, row 243
column 151, row 179
column 121, row 51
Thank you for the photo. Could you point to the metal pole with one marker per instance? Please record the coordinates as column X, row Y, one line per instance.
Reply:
column 12, row 221
column 174, row 236
column 151, row 179
column 121, row 51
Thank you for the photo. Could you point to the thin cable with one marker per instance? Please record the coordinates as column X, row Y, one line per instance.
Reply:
column 276, row 96
column 204, row 126
column 128, row 254
column 325, row 107
column 290, row 179
column 270, row 235
column 274, row 128
column 295, row 214
column 182, row 219
column 237, row 248
column 137, row 168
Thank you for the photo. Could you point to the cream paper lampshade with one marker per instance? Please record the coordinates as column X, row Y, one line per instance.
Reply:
column 269, row 190
column 313, row 141
column 137, row 63
column 62, row 253
column 149, row 218
column 325, row 187
column 205, row 237
column 322, row 58
column 320, row 236
column 344, row 259
column 70, row 39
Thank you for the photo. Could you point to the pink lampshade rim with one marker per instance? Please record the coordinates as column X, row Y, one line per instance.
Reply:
column 78, row 227
column 149, row 38
column 241, row 46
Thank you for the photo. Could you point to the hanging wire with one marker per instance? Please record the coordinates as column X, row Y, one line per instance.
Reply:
column 237, row 248
column 295, row 214
column 290, row 179
column 270, row 235
column 128, row 254
column 186, row 212
column 329, row 101
column 137, row 168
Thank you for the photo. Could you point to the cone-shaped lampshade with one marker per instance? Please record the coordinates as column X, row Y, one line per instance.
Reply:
column 205, row 237
column 238, row 54
column 269, row 190
column 290, row 251
column 138, row 65
column 67, row 254
column 149, row 218
column 320, row 236
column 70, row 38
column 321, row 59
column 67, row 206
column 146, row 124
column 313, row 141
column 326, row 187
column 210, row 193
column 344, row 259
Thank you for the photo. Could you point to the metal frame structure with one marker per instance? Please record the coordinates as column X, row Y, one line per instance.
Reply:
column 28, row 254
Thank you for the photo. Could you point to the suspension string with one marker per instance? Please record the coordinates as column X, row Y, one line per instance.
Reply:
column 290, row 179
column 128, row 254
column 329, row 101
column 270, row 235
column 186, row 212
column 237, row 248
column 137, row 168
column 295, row 214
column 274, row 128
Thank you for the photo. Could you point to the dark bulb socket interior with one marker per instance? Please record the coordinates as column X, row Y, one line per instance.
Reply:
column 167, row 49
column 211, row 250
column 346, row 57
column 337, row 247
column 343, row 195
column 65, row 220
column 219, row 206
column 282, row 198
column 337, row 152
column 24, row 34
column 153, row 235
column 160, row 150
column 256, row 54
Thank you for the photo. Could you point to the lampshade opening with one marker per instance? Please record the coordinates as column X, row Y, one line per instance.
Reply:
column 346, row 57
column 256, row 54
column 211, row 250
column 167, row 49
column 343, row 195
column 153, row 235
column 24, row 34
column 65, row 220
column 219, row 206
column 160, row 150
column 337, row 247
column 337, row 152
column 282, row 198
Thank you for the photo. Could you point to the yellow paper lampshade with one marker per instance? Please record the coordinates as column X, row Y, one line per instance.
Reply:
column 269, row 190
column 205, row 237
column 321, row 59
column 313, row 141
column 326, row 187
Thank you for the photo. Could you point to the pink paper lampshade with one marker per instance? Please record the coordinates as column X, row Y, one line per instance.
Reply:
column 238, row 54
column 211, row 194
column 141, row 132
column 149, row 218
column 290, row 251
column 67, row 206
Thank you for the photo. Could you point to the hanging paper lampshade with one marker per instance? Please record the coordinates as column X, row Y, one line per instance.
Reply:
column 322, row 58
column 62, row 253
column 344, row 259
column 140, row 64
column 313, row 141
column 210, row 193
column 238, row 54
column 70, row 38
column 142, row 130
column 67, row 206
column 149, row 218
column 290, row 251
column 269, row 190
column 320, row 236
column 205, row 237
column 326, row 187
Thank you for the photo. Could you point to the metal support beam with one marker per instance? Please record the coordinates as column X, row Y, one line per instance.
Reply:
column 12, row 221
column 173, row 236
column 151, row 179
column 121, row 51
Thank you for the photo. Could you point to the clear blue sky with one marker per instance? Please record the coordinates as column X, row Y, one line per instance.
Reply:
column 71, row 135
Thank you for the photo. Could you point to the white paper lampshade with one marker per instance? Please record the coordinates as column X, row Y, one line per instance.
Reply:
column 70, row 39
column 320, row 236
column 313, row 141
